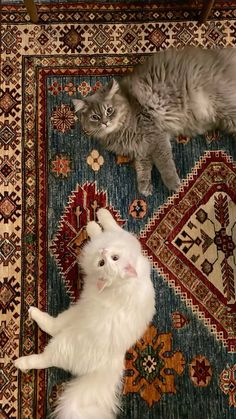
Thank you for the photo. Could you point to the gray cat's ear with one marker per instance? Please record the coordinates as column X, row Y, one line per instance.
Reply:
column 93, row 229
column 113, row 87
column 80, row 105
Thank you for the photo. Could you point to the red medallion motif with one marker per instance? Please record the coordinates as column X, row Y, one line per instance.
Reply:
column 71, row 235
column 191, row 240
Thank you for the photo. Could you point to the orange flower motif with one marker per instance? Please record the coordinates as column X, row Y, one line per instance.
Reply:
column 183, row 139
column 61, row 166
column 84, row 88
column 70, row 89
column 179, row 320
column 97, row 86
column 138, row 208
column 200, row 371
column 55, row 88
column 148, row 368
column 95, row 160
column 63, row 118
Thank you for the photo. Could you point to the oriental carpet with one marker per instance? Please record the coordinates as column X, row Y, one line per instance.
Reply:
column 53, row 179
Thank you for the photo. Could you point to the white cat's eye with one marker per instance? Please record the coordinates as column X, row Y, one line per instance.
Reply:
column 115, row 257
column 95, row 117
column 101, row 262
column 109, row 110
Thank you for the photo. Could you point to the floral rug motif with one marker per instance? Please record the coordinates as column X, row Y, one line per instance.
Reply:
column 53, row 178
column 147, row 366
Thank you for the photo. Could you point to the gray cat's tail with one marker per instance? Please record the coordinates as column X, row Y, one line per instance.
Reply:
column 91, row 396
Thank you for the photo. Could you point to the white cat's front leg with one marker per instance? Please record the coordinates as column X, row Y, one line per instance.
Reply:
column 46, row 322
column 106, row 220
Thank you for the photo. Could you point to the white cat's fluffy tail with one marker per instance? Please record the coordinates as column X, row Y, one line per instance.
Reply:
column 92, row 396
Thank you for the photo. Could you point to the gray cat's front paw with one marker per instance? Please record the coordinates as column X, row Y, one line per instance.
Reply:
column 145, row 188
column 172, row 184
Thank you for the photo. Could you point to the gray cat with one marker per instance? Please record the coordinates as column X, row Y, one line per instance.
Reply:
column 186, row 92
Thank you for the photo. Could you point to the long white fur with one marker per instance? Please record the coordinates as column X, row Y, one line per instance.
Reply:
column 91, row 337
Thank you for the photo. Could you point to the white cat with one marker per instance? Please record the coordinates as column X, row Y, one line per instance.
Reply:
column 91, row 337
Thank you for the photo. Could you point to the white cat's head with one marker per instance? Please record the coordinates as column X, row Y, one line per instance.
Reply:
column 103, row 112
column 110, row 257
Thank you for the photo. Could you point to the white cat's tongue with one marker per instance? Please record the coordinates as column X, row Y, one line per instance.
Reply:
column 101, row 284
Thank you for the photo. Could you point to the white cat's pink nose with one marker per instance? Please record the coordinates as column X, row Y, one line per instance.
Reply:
column 104, row 252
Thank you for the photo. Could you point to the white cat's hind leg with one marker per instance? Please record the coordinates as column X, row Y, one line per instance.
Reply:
column 46, row 322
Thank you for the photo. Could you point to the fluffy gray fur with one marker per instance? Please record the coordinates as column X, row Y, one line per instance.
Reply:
column 174, row 92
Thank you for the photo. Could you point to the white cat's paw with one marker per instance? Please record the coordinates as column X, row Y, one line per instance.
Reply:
column 103, row 214
column 32, row 312
column 22, row 363
column 93, row 229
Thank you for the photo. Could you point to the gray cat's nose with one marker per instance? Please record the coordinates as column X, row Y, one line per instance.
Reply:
column 105, row 121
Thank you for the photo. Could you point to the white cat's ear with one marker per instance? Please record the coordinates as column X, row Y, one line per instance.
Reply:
column 130, row 271
column 79, row 104
column 113, row 87
column 93, row 229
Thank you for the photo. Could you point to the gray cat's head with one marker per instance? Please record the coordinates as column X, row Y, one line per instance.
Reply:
column 102, row 113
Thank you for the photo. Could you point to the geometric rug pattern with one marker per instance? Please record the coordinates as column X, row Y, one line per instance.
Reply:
column 191, row 240
column 53, row 179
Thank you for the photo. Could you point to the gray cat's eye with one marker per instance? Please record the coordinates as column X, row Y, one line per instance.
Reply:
column 115, row 257
column 110, row 110
column 95, row 117
column 101, row 262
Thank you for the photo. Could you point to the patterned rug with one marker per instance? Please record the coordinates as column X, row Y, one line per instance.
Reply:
column 53, row 179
